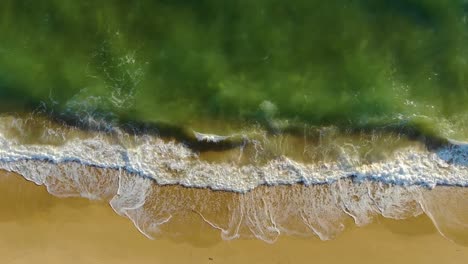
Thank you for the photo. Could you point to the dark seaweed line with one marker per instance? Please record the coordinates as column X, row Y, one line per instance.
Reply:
column 412, row 130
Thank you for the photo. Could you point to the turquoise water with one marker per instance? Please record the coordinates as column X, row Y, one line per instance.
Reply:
column 274, row 63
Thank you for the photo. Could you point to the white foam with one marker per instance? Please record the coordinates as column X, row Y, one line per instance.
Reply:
column 210, row 137
column 174, row 163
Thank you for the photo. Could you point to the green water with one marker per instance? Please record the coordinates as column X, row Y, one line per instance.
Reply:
column 273, row 63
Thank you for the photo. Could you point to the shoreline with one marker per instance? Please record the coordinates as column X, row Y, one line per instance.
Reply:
column 269, row 213
column 39, row 228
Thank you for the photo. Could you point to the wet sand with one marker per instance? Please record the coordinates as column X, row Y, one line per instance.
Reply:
column 36, row 227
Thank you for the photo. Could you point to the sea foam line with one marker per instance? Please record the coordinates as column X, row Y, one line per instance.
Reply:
column 173, row 163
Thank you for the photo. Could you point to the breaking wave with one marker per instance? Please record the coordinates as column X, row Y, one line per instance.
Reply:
column 145, row 178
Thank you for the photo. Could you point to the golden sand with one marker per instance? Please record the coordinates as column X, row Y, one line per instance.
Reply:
column 36, row 227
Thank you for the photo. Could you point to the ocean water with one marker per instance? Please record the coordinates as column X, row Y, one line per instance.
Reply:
column 327, row 111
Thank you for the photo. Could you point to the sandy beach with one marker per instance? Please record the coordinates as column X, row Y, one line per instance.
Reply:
column 39, row 228
column 258, row 132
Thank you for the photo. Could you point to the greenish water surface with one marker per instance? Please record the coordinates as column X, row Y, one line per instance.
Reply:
column 274, row 63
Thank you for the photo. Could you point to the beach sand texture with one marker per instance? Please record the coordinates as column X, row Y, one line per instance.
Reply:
column 39, row 228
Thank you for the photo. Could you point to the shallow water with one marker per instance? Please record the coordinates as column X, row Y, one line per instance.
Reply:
column 256, row 190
